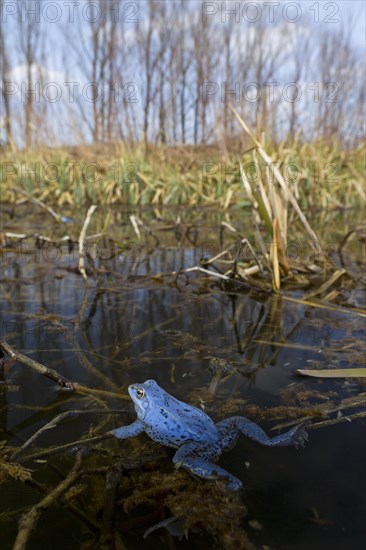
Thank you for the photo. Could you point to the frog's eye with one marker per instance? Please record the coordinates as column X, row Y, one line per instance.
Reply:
column 140, row 393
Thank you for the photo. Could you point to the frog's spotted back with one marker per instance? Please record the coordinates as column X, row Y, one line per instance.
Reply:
column 168, row 420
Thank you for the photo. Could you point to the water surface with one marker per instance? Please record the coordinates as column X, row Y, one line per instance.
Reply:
column 136, row 320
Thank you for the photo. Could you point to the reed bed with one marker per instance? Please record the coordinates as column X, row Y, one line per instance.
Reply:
column 317, row 174
column 279, row 183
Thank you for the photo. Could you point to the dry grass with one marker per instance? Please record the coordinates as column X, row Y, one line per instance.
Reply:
column 317, row 174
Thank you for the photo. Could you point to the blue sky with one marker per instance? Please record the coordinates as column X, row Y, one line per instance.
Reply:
column 355, row 9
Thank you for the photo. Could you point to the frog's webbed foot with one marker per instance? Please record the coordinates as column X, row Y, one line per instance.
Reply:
column 231, row 426
column 298, row 434
column 195, row 458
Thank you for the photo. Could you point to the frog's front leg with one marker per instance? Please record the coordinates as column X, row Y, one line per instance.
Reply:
column 195, row 458
column 230, row 428
column 131, row 430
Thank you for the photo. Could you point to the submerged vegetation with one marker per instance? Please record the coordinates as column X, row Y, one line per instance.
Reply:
column 118, row 489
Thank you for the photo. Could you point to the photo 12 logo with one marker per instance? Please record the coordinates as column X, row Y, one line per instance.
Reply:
column 52, row 172
column 270, row 12
column 90, row 92
column 39, row 11
column 253, row 92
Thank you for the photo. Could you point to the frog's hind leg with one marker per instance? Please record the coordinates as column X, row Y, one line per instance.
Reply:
column 196, row 459
column 230, row 428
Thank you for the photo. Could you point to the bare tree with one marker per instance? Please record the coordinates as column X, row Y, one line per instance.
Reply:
column 206, row 57
column 184, row 57
column 95, row 49
column 300, row 53
column 29, row 35
column 339, row 83
column 150, row 43
column 5, row 82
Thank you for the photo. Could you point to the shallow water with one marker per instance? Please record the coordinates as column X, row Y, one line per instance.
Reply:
column 134, row 324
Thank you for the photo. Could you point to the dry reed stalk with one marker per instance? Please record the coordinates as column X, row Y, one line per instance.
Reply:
column 82, row 239
column 276, row 279
column 283, row 184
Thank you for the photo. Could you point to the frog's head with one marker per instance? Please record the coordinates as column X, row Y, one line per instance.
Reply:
column 145, row 397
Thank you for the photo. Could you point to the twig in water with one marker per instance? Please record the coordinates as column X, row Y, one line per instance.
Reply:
column 61, row 448
column 223, row 226
column 55, row 376
column 337, row 420
column 136, row 223
column 53, row 423
column 107, row 537
column 41, row 204
column 135, row 226
column 243, row 243
column 44, row 428
column 29, row 520
column 38, row 367
column 82, row 239
column 214, row 274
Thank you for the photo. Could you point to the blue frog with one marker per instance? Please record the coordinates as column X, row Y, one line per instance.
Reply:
column 196, row 437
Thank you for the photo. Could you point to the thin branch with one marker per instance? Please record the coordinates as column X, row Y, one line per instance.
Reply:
column 107, row 535
column 72, row 508
column 212, row 274
column 82, row 239
column 38, row 367
column 61, row 448
column 44, row 428
column 56, row 420
column 41, row 204
column 29, row 520
column 337, row 420
column 56, row 377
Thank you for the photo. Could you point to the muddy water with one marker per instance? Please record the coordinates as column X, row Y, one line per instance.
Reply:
column 136, row 320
